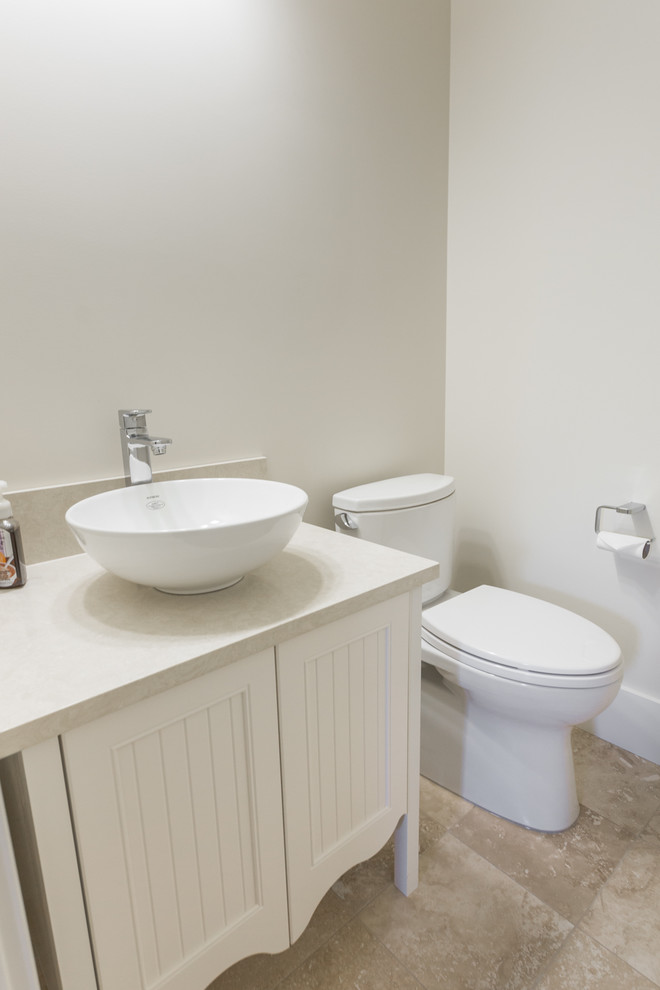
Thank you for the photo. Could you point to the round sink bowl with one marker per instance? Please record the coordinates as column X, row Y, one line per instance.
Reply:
column 191, row 536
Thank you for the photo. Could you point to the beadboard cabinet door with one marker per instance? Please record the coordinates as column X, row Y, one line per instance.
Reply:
column 343, row 699
column 177, row 810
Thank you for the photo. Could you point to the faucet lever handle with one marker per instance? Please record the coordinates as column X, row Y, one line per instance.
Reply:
column 133, row 419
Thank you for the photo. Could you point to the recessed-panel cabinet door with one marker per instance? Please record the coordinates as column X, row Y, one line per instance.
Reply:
column 177, row 811
column 343, row 696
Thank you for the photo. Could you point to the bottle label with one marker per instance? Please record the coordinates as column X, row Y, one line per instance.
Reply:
column 8, row 575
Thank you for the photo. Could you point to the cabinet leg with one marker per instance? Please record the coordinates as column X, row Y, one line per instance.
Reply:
column 406, row 854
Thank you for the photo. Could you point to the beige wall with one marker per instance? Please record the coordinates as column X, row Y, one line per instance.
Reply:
column 232, row 213
column 553, row 313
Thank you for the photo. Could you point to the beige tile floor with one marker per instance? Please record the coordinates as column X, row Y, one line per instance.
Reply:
column 498, row 907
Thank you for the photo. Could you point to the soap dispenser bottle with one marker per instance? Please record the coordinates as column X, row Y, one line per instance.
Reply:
column 12, row 563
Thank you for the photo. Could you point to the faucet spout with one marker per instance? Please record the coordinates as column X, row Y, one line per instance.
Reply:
column 159, row 446
column 137, row 446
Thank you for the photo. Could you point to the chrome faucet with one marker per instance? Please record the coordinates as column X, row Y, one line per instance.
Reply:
column 137, row 446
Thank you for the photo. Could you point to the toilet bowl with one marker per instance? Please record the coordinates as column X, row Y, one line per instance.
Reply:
column 505, row 676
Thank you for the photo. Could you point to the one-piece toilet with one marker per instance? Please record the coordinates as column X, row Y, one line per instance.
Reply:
column 505, row 677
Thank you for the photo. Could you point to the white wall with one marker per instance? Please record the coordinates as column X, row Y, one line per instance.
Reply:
column 553, row 347
column 232, row 213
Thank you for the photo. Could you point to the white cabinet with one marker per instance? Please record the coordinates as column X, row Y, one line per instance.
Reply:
column 343, row 695
column 183, row 805
column 176, row 804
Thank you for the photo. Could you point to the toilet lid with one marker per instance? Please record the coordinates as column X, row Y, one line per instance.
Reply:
column 519, row 631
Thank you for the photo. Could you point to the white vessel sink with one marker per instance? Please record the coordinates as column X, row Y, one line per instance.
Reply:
column 190, row 536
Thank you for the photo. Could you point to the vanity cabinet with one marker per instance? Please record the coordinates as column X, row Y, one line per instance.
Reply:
column 209, row 820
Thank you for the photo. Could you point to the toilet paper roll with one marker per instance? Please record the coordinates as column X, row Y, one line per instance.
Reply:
column 636, row 547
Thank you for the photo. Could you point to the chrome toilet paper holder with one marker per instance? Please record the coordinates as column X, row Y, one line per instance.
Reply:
column 628, row 509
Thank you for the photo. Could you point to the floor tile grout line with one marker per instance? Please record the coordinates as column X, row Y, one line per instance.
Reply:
column 610, row 951
column 399, row 962
column 518, row 883
column 634, row 841
column 548, row 964
column 355, row 917
column 340, row 928
column 634, row 838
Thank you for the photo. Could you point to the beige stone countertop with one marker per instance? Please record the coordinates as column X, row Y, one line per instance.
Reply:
column 78, row 642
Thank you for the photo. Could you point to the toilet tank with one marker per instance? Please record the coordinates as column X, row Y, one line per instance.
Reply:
column 414, row 513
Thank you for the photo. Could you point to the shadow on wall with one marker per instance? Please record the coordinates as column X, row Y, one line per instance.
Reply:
column 475, row 561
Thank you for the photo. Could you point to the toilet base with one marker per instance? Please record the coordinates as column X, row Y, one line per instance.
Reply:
column 516, row 770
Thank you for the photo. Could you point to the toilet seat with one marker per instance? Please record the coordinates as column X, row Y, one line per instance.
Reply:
column 521, row 638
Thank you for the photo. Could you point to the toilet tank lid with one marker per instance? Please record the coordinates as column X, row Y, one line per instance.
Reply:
column 395, row 493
